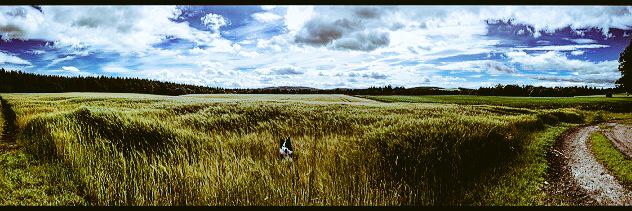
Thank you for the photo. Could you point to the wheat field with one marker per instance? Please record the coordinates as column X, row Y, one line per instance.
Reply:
column 129, row 149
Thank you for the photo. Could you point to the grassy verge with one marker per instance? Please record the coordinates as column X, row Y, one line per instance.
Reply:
column 615, row 161
column 521, row 181
column 26, row 181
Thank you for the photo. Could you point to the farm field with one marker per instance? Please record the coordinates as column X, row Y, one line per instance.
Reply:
column 138, row 149
column 619, row 103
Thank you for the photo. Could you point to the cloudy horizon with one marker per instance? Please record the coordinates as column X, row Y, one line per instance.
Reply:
column 321, row 46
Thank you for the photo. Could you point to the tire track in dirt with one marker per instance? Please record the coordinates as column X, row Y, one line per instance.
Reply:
column 621, row 137
column 9, row 129
column 580, row 176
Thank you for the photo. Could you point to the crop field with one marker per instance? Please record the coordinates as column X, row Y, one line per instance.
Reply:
column 306, row 98
column 618, row 103
column 133, row 149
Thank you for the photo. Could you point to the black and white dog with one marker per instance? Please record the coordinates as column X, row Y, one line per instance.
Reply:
column 285, row 148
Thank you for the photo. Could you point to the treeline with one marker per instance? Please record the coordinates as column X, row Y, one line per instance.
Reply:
column 539, row 91
column 498, row 90
column 17, row 81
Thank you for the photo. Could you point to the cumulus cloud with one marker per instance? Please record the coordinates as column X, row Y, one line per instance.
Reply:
column 556, row 61
column 214, row 21
column 6, row 58
column 549, row 19
column 361, row 31
column 110, row 28
column 376, row 38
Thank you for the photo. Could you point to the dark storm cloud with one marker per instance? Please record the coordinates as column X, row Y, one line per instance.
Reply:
column 342, row 34
column 318, row 32
column 363, row 41
column 11, row 31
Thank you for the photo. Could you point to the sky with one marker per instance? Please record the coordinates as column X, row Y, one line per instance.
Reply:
column 321, row 46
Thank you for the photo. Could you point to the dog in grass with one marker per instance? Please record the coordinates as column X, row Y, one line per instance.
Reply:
column 285, row 148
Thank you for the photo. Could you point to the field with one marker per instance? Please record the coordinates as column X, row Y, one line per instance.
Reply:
column 133, row 149
column 618, row 103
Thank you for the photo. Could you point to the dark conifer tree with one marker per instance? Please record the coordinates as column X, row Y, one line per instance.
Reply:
column 625, row 66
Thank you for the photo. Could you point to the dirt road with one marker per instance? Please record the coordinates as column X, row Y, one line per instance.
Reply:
column 581, row 176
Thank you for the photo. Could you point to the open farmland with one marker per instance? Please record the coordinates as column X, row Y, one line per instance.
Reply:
column 131, row 149
column 618, row 103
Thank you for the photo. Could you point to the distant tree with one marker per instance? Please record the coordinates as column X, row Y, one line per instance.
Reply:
column 625, row 66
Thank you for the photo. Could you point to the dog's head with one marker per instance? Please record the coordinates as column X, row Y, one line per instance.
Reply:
column 285, row 147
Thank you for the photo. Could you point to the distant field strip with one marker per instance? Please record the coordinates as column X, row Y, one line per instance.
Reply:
column 308, row 98
column 144, row 150
column 616, row 104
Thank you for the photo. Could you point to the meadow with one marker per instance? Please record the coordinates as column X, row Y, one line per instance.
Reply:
column 134, row 149
column 618, row 103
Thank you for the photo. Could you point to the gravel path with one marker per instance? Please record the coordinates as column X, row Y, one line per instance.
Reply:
column 588, row 173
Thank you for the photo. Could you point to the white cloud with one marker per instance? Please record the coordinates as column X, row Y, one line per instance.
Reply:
column 583, row 41
column 577, row 52
column 266, row 17
column 70, row 69
column 296, row 16
column 562, row 47
column 556, row 61
column 214, row 21
column 6, row 58
column 372, row 41
column 121, row 29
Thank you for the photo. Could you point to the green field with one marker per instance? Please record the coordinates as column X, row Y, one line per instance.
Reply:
column 619, row 103
column 135, row 149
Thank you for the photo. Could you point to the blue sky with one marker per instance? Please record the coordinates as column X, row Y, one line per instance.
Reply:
column 321, row 46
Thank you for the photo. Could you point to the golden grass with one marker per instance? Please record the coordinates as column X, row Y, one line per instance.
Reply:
column 145, row 150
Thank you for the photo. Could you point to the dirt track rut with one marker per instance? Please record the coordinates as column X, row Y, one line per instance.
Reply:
column 588, row 174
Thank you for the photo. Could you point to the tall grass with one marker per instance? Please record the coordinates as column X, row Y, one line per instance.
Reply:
column 159, row 151
column 617, row 163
